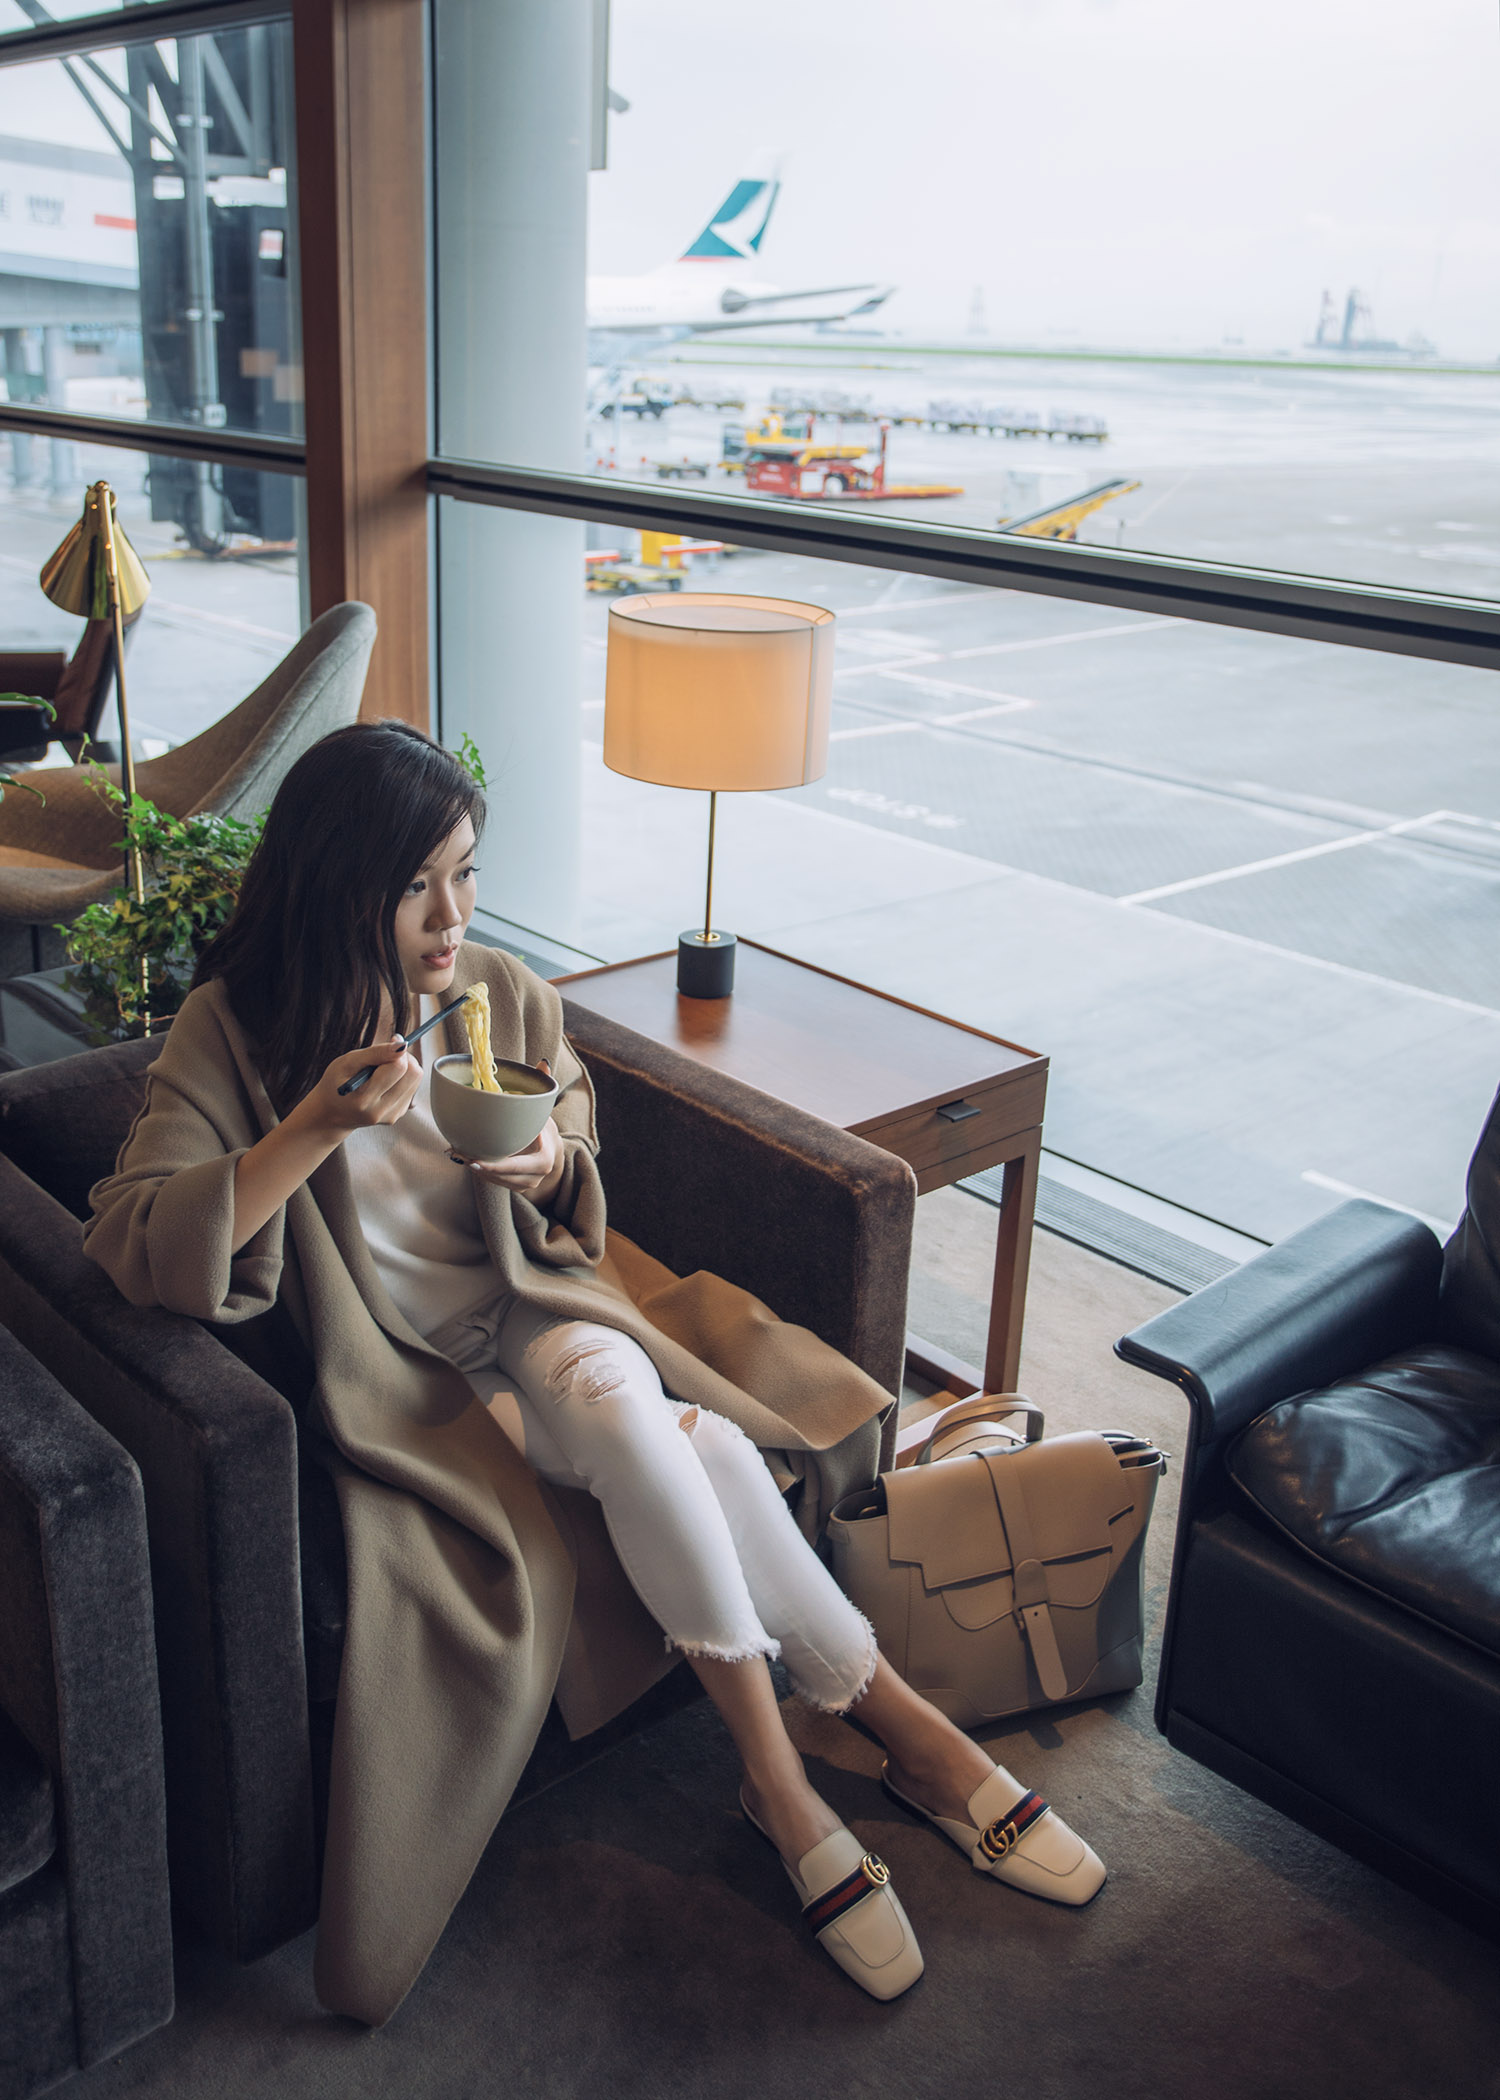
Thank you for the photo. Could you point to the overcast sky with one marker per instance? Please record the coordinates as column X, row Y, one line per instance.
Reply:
column 1108, row 171
column 1142, row 172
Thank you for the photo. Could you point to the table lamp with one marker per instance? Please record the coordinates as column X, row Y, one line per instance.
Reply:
column 705, row 690
column 98, row 574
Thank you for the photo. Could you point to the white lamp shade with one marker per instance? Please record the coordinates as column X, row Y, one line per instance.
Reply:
column 705, row 690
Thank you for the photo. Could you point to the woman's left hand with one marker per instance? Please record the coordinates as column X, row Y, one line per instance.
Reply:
column 534, row 1172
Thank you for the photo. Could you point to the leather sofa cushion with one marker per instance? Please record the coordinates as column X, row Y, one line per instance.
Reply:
column 1392, row 1477
column 28, row 1822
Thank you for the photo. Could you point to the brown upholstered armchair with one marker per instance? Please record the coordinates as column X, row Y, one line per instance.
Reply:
column 246, row 1548
column 59, row 848
column 77, row 687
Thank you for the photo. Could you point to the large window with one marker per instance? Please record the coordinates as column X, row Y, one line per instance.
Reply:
column 1226, row 275
column 1242, row 888
column 211, row 629
column 148, row 264
column 1138, row 807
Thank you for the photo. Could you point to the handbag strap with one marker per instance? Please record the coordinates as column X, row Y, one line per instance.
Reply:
column 1028, row 1574
column 983, row 1407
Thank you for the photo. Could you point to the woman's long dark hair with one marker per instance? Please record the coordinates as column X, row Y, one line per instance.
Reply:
column 309, row 957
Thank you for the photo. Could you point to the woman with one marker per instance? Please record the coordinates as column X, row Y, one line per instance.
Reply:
column 418, row 1281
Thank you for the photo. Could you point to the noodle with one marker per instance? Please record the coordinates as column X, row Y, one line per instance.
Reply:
column 476, row 1020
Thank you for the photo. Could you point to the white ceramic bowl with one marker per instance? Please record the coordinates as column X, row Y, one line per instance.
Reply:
column 490, row 1126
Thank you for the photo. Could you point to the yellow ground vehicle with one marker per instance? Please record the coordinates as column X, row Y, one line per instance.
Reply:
column 1060, row 521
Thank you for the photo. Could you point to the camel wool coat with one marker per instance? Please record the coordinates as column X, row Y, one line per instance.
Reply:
column 461, row 1562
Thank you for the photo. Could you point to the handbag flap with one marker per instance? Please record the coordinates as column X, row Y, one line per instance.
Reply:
column 945, row 1516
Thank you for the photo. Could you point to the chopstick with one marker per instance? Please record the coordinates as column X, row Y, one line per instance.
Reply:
column 352, row 1086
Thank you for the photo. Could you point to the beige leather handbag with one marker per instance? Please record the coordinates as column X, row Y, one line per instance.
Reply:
column 1003, row 1573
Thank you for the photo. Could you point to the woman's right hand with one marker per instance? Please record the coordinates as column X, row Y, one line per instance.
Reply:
column 270, row 1173
column 385, row 1096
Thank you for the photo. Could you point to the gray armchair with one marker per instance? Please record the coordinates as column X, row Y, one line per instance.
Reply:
column 246, row 1544
column 58, row 854
column 85, row 1933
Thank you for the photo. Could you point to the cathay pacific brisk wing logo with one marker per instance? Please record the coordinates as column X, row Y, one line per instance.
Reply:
column 739, row 225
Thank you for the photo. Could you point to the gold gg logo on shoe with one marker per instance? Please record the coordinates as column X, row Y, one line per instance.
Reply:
column 995, row 1842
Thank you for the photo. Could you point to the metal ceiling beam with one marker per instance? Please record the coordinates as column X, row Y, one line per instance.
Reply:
column 146, row 24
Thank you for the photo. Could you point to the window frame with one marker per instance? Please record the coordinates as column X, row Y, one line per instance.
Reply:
column 1273, row 601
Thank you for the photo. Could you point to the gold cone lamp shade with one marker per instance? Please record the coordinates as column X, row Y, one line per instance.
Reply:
column 97, row 574
column 76, row 576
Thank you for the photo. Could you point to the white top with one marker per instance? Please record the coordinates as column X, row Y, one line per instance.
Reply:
column 418, row 1214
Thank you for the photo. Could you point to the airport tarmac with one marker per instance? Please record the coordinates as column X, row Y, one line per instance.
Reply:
column 1378, row 476
column 215, row 628
column 1242, row 889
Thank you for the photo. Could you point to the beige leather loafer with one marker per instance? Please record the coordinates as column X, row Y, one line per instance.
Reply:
column 1018, row 1840
column 854, row 1913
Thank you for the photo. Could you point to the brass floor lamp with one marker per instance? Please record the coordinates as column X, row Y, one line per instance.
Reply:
column 97, row 574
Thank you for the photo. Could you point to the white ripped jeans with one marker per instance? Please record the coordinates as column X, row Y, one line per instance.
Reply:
column 702, row 1532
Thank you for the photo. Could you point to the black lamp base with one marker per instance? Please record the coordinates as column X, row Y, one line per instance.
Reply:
column 705, row 969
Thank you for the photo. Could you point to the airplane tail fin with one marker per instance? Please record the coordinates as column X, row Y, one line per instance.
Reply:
column 739, row 225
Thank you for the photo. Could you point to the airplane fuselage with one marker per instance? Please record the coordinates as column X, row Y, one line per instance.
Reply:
column 694, row 298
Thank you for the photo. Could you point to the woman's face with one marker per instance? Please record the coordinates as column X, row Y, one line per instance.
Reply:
column 432, row 916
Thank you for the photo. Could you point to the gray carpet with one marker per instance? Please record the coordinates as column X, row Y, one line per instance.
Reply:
column 627, row 1936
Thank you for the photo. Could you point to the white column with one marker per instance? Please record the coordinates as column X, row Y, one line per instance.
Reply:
column 65, row 480
column 512, row 153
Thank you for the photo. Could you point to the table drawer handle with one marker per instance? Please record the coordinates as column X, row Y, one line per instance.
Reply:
column 957, row 1111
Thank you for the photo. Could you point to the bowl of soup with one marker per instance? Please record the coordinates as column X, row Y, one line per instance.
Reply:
column 490, row 1126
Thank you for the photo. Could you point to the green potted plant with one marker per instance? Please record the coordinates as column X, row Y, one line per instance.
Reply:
column 131, row 963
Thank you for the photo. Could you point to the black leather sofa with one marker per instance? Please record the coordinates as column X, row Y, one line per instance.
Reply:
column 85, row 1934
column 246, row 1549
column 1332, row 1638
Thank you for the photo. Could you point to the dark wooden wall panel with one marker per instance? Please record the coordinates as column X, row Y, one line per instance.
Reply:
column 362, row 223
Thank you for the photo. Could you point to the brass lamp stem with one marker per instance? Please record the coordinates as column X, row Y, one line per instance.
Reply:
column 708, row 901
column 134, row 866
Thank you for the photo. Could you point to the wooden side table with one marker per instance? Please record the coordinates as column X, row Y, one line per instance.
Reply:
column 948, row 1099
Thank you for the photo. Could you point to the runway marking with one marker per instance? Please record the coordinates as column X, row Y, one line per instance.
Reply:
column 1325, row 963
column 164, row 608
column 885, row 603
column 871, row 640
column 1441, row 1226
column 1007, row 704
column 979, row 868
column 1057, row 641
column 919, row 812
column 842, row 736
column 891, row 666
column 1278, row 860
column 1140, row 516
column 999, row 703
column 898, row 665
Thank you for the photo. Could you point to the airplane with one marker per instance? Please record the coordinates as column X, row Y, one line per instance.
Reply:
column 712, row 287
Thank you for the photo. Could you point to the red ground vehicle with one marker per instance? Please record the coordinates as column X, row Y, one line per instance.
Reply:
column 792, row 466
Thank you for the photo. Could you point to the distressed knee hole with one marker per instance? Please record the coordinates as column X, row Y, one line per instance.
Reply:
column 591, row 1368
column 687, row 1421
